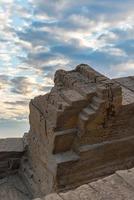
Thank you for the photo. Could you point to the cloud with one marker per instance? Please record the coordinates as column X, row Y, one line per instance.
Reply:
column 23, row 85
column 4, row 81
column 14, row 103
column 126, row 67
column 38, row 37
column 76, row 22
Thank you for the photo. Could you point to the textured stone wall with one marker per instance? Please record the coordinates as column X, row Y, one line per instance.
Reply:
column 11, row 151
column 78, row 132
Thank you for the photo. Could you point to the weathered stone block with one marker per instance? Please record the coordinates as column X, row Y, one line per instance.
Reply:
column 78, row 132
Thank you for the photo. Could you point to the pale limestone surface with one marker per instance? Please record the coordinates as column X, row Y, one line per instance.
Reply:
column 119, row 186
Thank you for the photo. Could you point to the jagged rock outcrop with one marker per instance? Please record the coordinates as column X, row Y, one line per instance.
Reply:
column 80, row 131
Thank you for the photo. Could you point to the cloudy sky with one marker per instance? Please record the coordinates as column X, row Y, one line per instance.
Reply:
column 39, row 36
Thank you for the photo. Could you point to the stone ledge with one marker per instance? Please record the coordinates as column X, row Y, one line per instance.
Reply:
column 119, row 186
column 11, row 145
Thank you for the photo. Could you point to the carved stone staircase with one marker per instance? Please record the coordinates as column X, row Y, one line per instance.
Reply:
column 66, row 149
column 64, row 140
column 69, row 135
column 88, row 113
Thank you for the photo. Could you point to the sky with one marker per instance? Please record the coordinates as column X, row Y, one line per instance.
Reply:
column 37, row 37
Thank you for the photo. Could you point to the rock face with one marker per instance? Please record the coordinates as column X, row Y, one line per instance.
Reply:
column 81, row 130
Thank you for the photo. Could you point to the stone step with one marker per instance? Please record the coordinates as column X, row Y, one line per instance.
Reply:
column 83, row 117
column 113, row 187
column 97, row 160
column 86, row 115
column 97, row 100
column 94, row 106
column 127, row 176
column 63, row 105
column 84, row 174
column 66, row 157
column 73, row 98
column 11, row 145
column 87, row 91
column 64, row 140
column 65, row 132
column 84, row 192
column 88, row 111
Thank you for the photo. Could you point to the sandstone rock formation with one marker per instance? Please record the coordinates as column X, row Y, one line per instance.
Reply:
column 80, row 131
